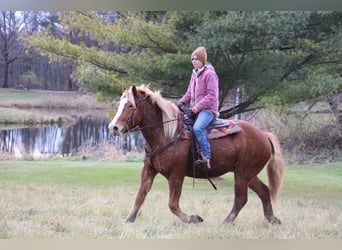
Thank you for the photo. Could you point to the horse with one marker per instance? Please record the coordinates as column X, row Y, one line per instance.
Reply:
column 245, row 154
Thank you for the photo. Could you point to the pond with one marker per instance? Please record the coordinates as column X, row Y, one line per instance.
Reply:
column 65, row 141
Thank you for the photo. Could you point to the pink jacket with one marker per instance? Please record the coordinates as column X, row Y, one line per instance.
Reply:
column 204, row 94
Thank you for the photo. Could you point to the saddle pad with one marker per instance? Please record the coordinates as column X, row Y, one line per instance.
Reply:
column 216, row 132
column 221, row 131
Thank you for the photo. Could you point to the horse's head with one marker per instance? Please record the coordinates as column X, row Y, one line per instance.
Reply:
column 126, row 117
column 139, row 106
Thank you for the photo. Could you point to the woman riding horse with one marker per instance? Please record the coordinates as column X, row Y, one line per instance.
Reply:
column 245, row 154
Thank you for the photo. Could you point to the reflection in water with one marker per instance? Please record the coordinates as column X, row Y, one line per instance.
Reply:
column 65, row 141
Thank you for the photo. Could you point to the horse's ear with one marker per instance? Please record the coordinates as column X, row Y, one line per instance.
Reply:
column 123, row 88
column 134, row 91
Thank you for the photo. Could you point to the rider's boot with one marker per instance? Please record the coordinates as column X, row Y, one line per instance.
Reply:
column 203, row 162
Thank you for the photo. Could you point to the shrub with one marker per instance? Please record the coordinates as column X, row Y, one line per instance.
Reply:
column 29, row 80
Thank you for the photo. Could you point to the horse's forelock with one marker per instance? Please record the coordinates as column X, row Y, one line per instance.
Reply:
column 128, row 93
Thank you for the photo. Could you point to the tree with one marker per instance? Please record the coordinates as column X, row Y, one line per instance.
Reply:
column 10, row 47
column 275, row 57
column 16, row 66
column 53, row 75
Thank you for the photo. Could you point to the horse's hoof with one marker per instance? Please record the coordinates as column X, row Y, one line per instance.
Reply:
column 129, row 220
column 195, row 219
column 228, row 222
column 274, row 220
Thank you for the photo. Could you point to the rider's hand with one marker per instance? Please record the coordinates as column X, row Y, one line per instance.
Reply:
column 194, row 110
column 180, row 105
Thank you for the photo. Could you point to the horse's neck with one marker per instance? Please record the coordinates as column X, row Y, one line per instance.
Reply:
column 154, row 137
column 153, row 133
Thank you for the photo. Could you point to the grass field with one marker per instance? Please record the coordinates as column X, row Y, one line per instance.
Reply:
column 35, row 96
column 72, row 199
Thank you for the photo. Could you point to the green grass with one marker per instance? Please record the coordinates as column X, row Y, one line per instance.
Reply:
column 304, row 180
column 7, row 95
column 68, row 172
column 11, row 95
column 323, row 180
column 89, row 173
column 75, row 199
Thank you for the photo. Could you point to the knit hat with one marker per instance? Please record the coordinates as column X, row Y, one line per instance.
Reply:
column 201, row 54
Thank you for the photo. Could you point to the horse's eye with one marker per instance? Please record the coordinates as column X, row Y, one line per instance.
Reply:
column 131, row 106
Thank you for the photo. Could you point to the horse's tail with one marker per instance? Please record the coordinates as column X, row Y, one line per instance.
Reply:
column 275, row 167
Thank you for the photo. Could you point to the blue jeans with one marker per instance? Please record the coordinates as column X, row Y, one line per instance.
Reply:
column 203, row 119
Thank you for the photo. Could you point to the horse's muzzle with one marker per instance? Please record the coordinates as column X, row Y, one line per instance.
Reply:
column 115, row 130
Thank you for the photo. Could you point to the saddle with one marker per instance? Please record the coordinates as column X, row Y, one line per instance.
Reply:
column 217, row 128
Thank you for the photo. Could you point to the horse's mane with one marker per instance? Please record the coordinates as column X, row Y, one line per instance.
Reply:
column 169, row 110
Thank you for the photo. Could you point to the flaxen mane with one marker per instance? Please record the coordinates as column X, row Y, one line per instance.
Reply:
column 169, row 110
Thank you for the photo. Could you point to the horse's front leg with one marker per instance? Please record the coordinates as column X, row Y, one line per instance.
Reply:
column 175, row 187
column 146, row 181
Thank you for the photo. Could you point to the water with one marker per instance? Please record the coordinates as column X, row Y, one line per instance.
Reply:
column 65, row 141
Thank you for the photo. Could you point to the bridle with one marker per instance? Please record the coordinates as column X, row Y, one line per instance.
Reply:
column 161, row 149
column 130, row 120
column 130, row 123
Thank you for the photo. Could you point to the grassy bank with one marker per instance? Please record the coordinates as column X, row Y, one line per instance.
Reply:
column 39, row 107
column 89, row 199
column 14, row 117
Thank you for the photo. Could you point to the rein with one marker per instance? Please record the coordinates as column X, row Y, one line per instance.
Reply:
column 131, row 119
column 161, row 149
column 151, row 125
column 152, row 154
column 166, row 146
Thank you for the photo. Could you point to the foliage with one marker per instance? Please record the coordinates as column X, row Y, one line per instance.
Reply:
column 29, row 80
column 276, row 57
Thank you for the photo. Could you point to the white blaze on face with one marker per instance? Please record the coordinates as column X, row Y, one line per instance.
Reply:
column 113, row 123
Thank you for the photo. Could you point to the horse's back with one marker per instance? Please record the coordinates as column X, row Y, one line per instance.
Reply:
column 249, row 148
column 253, row 140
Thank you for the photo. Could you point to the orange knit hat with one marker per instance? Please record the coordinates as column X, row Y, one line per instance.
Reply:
column 201, row 54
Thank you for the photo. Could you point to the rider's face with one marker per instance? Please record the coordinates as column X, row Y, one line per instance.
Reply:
column 196, row 63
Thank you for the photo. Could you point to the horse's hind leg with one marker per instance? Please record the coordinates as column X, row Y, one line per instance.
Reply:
column 146, row 181
column 175, row 187
column 240, row 199
column 263, row 192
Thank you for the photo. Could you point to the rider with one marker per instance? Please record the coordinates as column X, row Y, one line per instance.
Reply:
column 203, row 96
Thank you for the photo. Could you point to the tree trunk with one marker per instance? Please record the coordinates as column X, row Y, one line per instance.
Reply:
column 334, row 101
column 6, row 67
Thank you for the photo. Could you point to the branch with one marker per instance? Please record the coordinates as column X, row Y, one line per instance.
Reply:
column 238, row 109
column 158, row 45
column 307, row 59
column 93, row 62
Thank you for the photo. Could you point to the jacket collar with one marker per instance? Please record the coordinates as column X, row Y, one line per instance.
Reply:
column 199, row 71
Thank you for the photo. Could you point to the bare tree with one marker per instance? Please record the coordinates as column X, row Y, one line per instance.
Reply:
column 10, row 47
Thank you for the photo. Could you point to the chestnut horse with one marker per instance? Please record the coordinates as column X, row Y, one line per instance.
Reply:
column 245, row 153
